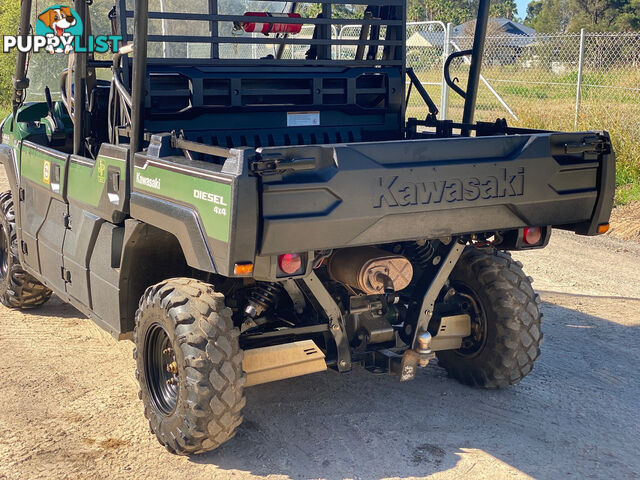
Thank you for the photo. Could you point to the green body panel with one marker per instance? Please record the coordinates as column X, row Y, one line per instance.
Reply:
column 23, row 130
column 87, row 182
column 20, row 131
column 33, row 166
column 211, row 199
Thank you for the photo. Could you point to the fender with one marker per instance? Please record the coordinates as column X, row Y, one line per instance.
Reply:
column 181, row 221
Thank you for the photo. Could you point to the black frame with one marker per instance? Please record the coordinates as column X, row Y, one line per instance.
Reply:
column 394, row 53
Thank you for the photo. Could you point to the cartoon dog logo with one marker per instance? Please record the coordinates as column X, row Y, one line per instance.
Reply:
column 58, row 19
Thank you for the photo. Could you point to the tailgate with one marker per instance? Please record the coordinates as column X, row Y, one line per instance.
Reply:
column 370, row 193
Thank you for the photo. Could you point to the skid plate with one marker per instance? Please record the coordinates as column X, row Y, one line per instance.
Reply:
column 277, row 362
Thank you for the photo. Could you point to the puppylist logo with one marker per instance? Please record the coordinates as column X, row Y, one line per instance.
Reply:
column 59, row 30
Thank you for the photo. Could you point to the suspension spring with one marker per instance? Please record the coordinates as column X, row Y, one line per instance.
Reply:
column 262, row 297
column 422, row 254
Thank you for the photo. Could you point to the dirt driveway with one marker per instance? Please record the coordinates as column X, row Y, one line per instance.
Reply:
column 70, row 408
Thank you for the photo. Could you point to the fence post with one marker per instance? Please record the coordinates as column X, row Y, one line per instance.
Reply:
column 579, row 85
column 444, row 95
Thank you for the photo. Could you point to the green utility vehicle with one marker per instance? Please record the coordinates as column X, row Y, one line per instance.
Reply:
column 247, row 203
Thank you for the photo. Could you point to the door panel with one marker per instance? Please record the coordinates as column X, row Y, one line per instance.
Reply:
column 50, row 238
column 79, row 243
column 96, row 193
column 44, row 211
column 99, row 186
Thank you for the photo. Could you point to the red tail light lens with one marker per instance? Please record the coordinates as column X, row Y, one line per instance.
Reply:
column 532, row 235
column 290, row 263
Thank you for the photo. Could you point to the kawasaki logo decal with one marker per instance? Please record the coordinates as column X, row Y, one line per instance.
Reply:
column 394, row 191
column 148, row 182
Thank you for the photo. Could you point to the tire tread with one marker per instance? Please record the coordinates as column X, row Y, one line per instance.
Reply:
column 212, row 365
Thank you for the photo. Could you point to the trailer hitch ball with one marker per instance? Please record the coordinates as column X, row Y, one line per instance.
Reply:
column 420, row 357
column 424, row 349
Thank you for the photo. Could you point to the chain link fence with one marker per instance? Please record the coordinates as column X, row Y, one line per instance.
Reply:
column 562, row 80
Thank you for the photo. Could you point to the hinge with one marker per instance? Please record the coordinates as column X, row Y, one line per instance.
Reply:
column 66, row 219
column 23, row 246
column 21, row 194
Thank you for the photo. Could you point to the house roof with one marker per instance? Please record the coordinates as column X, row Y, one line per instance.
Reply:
column 518, row 35
column 502, row 25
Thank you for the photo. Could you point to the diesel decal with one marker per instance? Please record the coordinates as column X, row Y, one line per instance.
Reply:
column 148, row 182
column 218, row 200
column 209, row 197
column 396, row 192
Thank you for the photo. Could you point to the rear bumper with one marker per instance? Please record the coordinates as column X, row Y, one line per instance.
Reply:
column 373, row 193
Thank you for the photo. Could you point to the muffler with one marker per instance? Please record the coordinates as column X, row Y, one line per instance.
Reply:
column 370, row 270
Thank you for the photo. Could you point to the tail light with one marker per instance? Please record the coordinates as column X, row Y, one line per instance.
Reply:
column 269, row 23
column 290, row 263
column 532, row 235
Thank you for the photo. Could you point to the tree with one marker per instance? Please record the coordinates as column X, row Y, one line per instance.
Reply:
column 550, row 16
column 533, row 10
column 454, row 11
column 9, row 20
column 629, row 16
column 553, row 16
column 503, row 9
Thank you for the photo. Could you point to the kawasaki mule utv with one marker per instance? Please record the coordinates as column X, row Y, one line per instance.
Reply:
column 247, row 211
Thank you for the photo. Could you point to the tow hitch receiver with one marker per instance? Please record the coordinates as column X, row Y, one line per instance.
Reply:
column 277, row 362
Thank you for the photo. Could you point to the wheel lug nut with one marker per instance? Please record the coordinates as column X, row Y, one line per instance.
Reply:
column 172, row 367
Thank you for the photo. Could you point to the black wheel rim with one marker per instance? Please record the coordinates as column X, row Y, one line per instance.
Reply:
column 470, row 304
column 161, row 370
column 4, row 253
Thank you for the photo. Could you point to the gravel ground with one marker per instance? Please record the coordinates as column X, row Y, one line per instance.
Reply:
column 70, row 406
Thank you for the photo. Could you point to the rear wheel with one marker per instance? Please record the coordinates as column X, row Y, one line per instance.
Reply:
column 189, row 366
column 18, row 289
column 505, row 335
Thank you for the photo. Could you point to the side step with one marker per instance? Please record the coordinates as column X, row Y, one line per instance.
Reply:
column 268, row 364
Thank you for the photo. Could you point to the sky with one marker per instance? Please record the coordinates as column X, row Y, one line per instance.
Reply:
column 522, row 8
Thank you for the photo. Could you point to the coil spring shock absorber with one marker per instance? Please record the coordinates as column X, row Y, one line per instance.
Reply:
column 422, row 253
column 262, row 297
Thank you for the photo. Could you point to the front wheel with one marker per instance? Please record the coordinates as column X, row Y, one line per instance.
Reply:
column 505, row 320
column 18, row 289
column 189, row 366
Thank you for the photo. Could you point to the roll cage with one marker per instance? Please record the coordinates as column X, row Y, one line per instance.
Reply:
column 380, row 49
